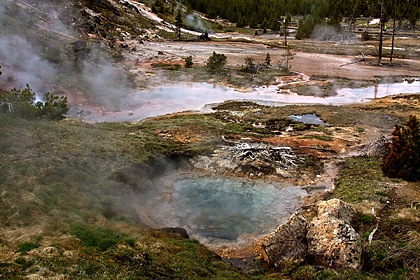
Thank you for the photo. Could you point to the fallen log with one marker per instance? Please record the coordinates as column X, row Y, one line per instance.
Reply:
column 356, row 61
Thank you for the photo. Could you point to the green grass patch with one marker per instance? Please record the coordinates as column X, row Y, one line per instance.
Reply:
column 318, row 137
column 167, row 66
column 361, row 180
column 27, row 246
column 99, row 238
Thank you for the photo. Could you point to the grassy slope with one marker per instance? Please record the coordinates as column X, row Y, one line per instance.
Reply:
column 65, row 179
column 69, row 189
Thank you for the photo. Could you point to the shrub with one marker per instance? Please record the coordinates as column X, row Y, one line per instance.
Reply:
column 249, row 66
column 54, row 108
column 402, row 156
column 188, row 62
column 27, row 246
column 22, row 104
column 216, row 62
column 366, row 36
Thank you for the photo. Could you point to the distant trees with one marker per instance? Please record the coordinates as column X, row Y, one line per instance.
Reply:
column 266, row 13
column 402, row 158
column 306, row 26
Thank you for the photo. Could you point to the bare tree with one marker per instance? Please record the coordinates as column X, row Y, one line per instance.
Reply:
column 287, row 20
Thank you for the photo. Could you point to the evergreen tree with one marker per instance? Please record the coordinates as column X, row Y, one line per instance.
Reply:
column 178, row 23
column 288, row 55
column 22, row 102
column 402, row 159
column 268, row 60
column 216, row 62
column 241, row 22
column 250, row 66
column 188, row 62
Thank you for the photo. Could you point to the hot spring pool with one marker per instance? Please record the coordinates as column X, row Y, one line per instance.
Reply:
column 222, row 210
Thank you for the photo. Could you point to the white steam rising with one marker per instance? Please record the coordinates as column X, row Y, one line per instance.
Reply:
column 41, row 55
column 196, row 22
column 22, row 65
column 324, row 32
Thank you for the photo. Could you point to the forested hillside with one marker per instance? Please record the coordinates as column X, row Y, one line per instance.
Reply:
column 266, row 13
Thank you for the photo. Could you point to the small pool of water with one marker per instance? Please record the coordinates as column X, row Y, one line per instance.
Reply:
column 223, row 210
column 308, row 119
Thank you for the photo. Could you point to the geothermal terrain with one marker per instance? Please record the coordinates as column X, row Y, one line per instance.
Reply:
column 151, row 151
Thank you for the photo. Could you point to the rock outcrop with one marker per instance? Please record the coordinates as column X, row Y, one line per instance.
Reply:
column 288, row 241
column 323, row 236
column 333, row 243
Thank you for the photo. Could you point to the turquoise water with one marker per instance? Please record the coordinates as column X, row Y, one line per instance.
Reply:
column 308, row 119
column 222, row 210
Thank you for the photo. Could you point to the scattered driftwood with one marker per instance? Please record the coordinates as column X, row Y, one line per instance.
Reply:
column 279, row 156
column 376, row 147
column 356, row 61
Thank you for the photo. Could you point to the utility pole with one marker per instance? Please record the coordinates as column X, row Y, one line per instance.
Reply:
column 382, row 20
column 393, row 32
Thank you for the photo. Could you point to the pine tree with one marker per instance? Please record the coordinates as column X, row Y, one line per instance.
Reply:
column 188, row 62
column 403, row 157
column 178, row 23
column 268, row 60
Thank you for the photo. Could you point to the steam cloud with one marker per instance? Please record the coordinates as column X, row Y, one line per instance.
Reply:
column 195, row 22
column 44, row 60
column 323, row 32
column 24, row 66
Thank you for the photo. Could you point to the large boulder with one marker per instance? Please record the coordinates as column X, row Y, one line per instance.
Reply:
column 288, row 241
column 322, row 236
column 333, row 243
column 337, row 208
